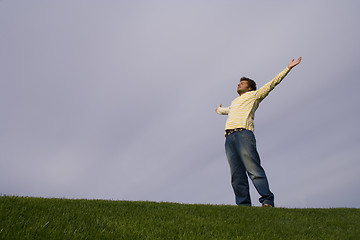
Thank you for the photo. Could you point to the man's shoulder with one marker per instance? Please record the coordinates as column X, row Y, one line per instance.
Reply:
column 250, row 94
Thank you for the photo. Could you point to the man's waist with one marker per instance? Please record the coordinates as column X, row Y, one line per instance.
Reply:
column 231, row 131
column 240, row 123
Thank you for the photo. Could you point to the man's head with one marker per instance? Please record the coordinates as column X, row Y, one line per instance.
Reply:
column 245, row 85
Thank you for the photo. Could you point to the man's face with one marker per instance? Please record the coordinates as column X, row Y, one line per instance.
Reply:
column 243, row 87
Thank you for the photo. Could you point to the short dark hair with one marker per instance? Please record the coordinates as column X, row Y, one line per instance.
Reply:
column 251, row 83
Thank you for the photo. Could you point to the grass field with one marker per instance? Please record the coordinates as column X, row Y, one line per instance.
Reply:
column 39, row 218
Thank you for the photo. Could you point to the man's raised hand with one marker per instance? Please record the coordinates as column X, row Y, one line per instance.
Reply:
column 294, row 63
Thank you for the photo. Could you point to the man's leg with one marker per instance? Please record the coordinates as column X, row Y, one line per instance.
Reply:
column 251, row 160
column 239, row 180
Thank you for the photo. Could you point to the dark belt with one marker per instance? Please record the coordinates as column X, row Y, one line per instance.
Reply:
column 231, row 131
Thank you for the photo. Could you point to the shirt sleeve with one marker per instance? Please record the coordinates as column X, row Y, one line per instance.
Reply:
column 223, row 111
column 266, row 89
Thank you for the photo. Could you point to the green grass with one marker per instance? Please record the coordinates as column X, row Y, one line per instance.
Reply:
column 39, row 218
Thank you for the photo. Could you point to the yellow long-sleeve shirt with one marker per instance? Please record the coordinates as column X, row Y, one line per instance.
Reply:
column 241, row 112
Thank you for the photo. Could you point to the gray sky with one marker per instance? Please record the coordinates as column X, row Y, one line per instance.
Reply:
column 115, row 99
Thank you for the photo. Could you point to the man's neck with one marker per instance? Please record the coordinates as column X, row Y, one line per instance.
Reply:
column 241, row 93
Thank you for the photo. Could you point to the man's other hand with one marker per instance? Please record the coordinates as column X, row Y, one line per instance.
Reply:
column 218, row 107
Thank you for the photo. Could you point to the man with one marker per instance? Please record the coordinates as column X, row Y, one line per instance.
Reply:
column 240, row 143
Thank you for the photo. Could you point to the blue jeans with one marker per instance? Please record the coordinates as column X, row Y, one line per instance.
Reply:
column 243, row 158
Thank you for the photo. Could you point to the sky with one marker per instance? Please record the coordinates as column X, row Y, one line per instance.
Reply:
column 115, row 99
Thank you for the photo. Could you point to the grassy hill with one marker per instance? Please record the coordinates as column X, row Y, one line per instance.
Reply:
column 38, row 218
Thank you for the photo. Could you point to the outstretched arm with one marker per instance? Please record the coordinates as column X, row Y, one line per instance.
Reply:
column 265, row 90
column 222, row 111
